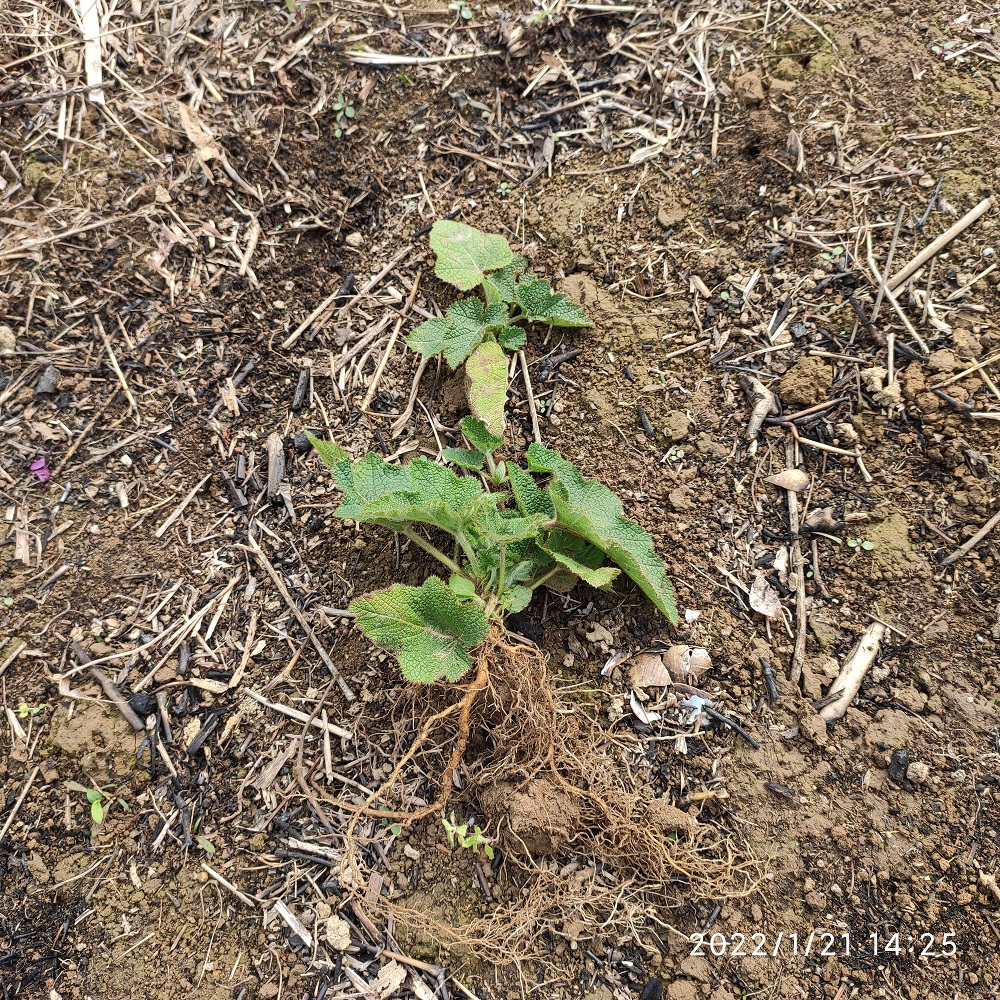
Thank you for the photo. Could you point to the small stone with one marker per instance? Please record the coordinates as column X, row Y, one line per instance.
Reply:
column 822, row 64
column 675, row 426
column 354, row 239
column 815, row 900
column 162, row 196
column 697, row 968
column 750, row 88
column 48, row 381
column 411, row 852
column 598, row 633
column 942, row 361
column 966, row 343
column 682, row 989
column 7, row 343
column 338, row 933
column 918, row 772
column 787, row 69
column 808, row 381
column 670, row 216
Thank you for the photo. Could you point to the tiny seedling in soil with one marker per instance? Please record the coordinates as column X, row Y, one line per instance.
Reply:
column 476, row 331
column 463, row 10
column 344, row 111
column 860, row 544
column 99, row 800
column 459, row 836
column 24, row 710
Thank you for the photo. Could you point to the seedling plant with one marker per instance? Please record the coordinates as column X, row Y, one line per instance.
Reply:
column 344, row 111
column 99, row 800
column 458, row 836
column 477, row 330
column 512, row 531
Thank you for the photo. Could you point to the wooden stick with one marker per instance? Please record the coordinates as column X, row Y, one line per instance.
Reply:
column 110, row 690
column 936, row 246
column 294, row 713
column 344, row 309
column 853, row 672
column 17, row 804
column 967, row 547
column 182, row 507
column 798, row 568
column 531, row 398
column 255, row 548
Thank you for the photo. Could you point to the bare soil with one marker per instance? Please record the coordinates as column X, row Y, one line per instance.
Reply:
column 705, row 181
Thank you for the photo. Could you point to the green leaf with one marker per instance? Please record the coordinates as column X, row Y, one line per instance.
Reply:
column 541, row 305
column 599, row 577
column 329, row 452
column 516, row 599
column 206, row 845
column 512, row 337
column 457, row 334
column 464, row 254
column 497, row 527
column 589, row 509
column 462, row 586
column 486, row 384
column 500, row 286
column 478, row 436
column 97, row 810
column 467, row 458
column 420, row 491
column 428, row 628
column 528, row 496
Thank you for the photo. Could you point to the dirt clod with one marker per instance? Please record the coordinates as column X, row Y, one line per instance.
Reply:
column 808, row 381
column 542, row 816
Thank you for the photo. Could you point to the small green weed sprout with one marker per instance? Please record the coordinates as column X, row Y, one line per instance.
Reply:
column 513, row 530
column 25, row 711
column 463, row 10
column 460, row 836
column 99, row 800
column 860, row 544
column 476, row 331
column 344, row 111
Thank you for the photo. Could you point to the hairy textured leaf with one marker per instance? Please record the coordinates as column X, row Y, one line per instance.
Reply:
column 599, row 577
column 478, row 436
column 428, row 628
column 467, row 458
column 486, row 384
column 462, row 586
column 504, row 526
column 516, row 599
column 528, row 496
column 541, row 305
column 511, row 337
column 574, row 550
column 458, row 333
column 499, row 286
column 589, row 509
column 464, row 254
column 396, row 494
column 330, row 454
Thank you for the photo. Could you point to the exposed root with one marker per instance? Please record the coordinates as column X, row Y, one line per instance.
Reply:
column 628, row 861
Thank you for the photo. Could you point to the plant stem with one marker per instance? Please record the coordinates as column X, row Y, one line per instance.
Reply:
column 502, row 573
column 433, row 550
column 470, row 554
column 546, row 576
